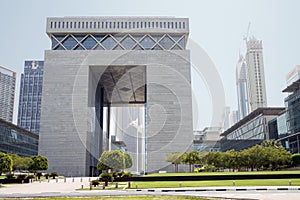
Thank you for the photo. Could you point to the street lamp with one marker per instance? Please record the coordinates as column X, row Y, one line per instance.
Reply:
column 135, row 124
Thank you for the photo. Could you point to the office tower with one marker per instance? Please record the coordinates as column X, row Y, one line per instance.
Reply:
column 226, row 123
column 97, row 63
column 31, row 96
column 255, row 74
column 7, row 93
column 242, row 88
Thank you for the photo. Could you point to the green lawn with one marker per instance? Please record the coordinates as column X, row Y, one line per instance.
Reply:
column 121, row 197
column 2, row 177
column 224, row 173
column 254, row 182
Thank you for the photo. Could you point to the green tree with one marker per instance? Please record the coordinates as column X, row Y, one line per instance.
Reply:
column 38, row 163
column 214, row 160
column 174, row 158
column 231, row 159
column 254, row 157
column 277, row 157
column 191, row 158
column 6, row 163
column 128, row 160
column 115, row 160
column 19, row 163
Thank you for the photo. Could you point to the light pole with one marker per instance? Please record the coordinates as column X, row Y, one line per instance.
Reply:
column 135, row 124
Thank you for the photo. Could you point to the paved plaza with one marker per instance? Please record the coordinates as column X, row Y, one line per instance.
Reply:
column 67, row 188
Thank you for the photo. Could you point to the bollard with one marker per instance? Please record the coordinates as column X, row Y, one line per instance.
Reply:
column 81, row 179
column 233, row 183
column 180, row 184
column 73, row 180
column 136, row 186
column 22, row 181
column 129, row 184
column 81, row 186
column 48, row 180
column 65, row 179
column 40, row 180
column 91, row 186
column 103, row 186
column 117, row 185
column 290, row 182
column 90, row 179
column 57, row 180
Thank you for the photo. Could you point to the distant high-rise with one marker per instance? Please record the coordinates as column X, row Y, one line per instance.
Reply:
column 31, row 96
column 255, row 74
column 7, row 93
column 242, row 88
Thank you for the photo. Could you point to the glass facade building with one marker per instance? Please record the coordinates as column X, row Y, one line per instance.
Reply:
column 291, row 138
column 7, row 93
column 251, row 130
column 14, row 139
column 31, row 96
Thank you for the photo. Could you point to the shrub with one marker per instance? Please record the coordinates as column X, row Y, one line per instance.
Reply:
column 21, row 176
column 10, row 176
column 53, row 174
column 126, row 174
column 95, row 182
column 106, row 177
column 120, row 174
column 30, row 177
column 296, row 159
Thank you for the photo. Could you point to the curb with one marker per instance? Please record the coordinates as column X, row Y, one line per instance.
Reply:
column 220, row 189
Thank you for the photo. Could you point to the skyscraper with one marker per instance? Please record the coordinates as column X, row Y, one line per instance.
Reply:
column 255, row 74
column 31, row 96
column 7, row 93
column 242, row 88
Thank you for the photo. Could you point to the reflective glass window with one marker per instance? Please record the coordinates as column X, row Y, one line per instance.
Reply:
column 69, row 43
column 147, row 43
column 108, row 43
column 166, row 42
column 89, row 43
column 128, row 43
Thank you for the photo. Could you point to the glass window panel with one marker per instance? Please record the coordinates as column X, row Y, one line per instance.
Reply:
column 79, row 48
column 182, row 43
column 147, row 43
column 99, row 37
column 54, row 42
column 69, row 43
column 59, row 48
column 108, row 43
column 59, row 37
column 118, row 47
column 89, row 43
column 99, row 47
column 166, row 42
column 137, row 47
column 79, row 37
column 176, row 47
column 157, row 47
column 128, row 43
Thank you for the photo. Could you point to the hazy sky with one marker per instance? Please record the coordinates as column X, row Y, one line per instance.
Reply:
column 217, row 26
